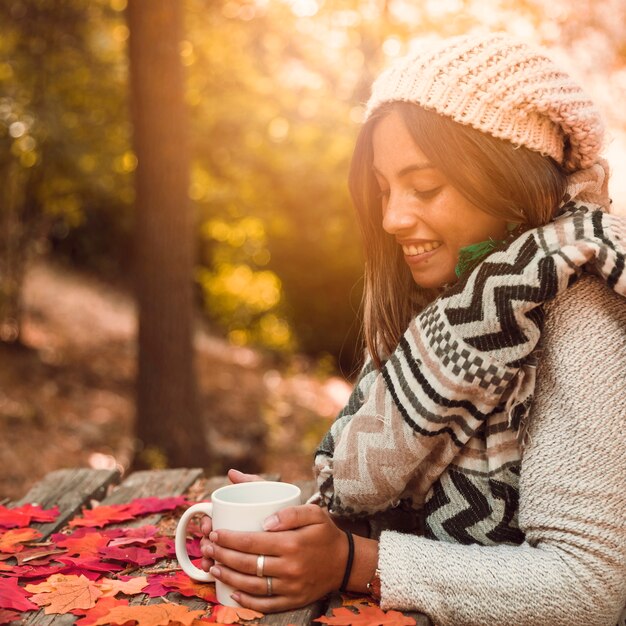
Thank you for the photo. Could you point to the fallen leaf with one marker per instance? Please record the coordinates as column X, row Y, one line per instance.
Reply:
column 142, row 535
column 134, row 555
column 232, row 614
column 11, row 540
column 88, row 564
column 155, row 587
column 38, row 555
column 143, row 506
column 130, row 586
column 62, row 594
column 150, row 615
column 6, row 617
column 184, row 585
column 22, row 516
column 103, row 515
column 29, row 571
column 366, row 616
column 12, row 596
column 81, row 542
column 102, row 607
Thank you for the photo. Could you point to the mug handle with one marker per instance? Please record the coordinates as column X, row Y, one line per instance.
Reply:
column 181, row 542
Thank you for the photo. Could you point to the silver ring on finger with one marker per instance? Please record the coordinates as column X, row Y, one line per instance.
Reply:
column 260, row 564
column 269, row 585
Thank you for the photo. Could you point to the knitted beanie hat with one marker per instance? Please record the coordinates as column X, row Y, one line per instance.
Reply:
column 501, row 86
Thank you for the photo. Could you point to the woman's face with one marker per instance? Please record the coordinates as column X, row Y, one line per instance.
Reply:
column 428, row 217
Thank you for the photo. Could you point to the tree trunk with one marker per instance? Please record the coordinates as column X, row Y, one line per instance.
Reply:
column 168, row 424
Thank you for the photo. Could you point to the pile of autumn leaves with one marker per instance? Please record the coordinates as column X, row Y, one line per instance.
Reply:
column 82, row 571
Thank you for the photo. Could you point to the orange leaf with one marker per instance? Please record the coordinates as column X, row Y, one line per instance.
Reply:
column 103, row 515
column 150, row 615
column 184, row 585
column 366, row 616
column 111, row 586
column 62, row 594
column 10, row 540
column 232, row 614
column 103, row 606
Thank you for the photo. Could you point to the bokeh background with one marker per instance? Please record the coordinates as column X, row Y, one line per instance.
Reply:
column 273, row 94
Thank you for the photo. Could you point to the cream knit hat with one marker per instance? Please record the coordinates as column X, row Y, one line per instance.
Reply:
column 501, row 86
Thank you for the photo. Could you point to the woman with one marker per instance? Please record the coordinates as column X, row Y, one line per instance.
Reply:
column 481, row 454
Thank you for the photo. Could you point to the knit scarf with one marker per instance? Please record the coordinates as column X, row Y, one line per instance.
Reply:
column 447, row 405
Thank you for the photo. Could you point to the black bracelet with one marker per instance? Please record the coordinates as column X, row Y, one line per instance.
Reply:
column 346, row 576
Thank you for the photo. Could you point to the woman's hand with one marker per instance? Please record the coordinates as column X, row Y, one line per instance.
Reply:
column 305, row 554
column 235, row 476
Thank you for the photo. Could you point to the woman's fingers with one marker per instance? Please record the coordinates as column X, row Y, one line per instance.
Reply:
column 295, row 517
column 206, row 525
column 245, row 563
column 236, row 476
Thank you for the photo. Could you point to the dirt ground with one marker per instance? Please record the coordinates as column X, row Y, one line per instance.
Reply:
column 66, row 396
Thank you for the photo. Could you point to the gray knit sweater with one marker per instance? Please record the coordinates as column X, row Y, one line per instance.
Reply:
column 571, row 568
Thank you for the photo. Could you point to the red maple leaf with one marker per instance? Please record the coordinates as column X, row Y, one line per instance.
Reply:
column 11, row 541
column 155, row 587
column 135, row 555
column 80, row 565
column 143, row 506
column 22, row 516
column 103, row 515
column 142, row 536
column 366, row 616
column 12, row 596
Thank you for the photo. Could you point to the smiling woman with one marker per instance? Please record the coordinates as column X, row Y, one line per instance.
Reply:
column 457, row 180
column 479, row 461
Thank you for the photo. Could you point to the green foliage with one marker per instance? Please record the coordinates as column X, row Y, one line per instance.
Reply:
column 276, row 90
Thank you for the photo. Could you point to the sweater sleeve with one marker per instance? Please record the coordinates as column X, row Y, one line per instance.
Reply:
column 572, row 566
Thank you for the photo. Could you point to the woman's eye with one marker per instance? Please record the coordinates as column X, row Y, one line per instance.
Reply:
column 427, row 194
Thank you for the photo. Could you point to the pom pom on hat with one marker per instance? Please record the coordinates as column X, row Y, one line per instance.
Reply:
column 501, row 86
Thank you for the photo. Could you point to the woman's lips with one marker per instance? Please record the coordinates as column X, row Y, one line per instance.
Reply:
column 411, row 249
column 418, row 252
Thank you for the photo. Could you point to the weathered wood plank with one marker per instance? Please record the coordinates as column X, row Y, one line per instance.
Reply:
column 70, row 489
column 157, row 483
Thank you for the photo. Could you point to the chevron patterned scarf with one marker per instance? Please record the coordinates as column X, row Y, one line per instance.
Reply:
column 444, row 411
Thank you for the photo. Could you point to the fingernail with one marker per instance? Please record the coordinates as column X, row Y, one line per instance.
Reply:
column 208, row 551
column 271, row 522
column 213, row 536
column 236, row 597
column 216, row 571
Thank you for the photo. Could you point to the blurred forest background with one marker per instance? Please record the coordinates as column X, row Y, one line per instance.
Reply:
column 258, row 107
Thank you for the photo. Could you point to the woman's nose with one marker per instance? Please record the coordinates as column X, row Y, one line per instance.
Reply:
column 397, row 215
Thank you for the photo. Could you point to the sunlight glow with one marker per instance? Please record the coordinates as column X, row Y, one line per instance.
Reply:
column 304, row 8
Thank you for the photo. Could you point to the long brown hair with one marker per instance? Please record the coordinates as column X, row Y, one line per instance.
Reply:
column 500, row 178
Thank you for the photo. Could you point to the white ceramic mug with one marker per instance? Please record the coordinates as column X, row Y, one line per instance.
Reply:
column 243, row 507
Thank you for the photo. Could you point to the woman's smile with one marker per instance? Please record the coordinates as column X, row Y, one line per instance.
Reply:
column 429, row 219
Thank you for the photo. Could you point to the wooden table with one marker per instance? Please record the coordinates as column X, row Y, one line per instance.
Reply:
column 72, row 489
